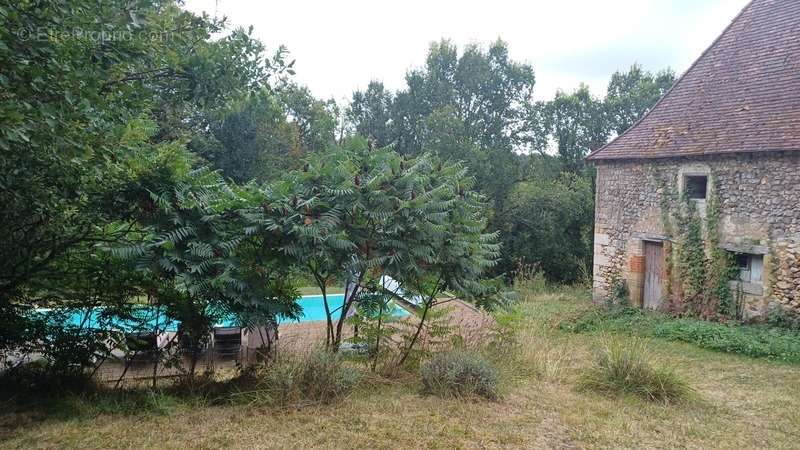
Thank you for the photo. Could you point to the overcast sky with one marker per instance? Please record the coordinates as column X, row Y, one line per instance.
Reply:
column 341, row 45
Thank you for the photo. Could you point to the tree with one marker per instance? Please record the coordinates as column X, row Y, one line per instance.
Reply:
column 484, row 87
column 445, row 246
column 480, row 95
column 69, row 100
column 138, row 75
column 361, row 213
column 315, row 120
column 190, row 243
column 631, row 94
column 252, row 141
column 370, row 114
column 549, row 225
column 268, row 133
column 578, row 125
column 304, row 214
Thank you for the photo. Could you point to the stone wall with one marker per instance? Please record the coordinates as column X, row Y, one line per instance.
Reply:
column 760, row 209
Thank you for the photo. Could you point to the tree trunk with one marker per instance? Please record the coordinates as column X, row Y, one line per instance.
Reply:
column 348, row 302
column 378, row 339
column 407, row 351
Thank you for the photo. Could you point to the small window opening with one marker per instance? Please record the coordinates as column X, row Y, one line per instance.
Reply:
column 697, row 186
column 750, row 267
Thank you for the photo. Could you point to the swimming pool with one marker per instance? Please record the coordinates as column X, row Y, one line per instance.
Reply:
column 150, row 317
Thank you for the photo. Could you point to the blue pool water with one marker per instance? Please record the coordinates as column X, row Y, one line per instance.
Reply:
column 148, row 317
column 314, row 307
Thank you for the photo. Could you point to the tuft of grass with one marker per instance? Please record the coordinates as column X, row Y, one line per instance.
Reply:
column 625, row 367
column 125, row 403
column 295, row 380
column 459, row 373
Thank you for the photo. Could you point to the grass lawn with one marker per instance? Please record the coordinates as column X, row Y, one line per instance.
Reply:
column 739, row 402
column 313, row 290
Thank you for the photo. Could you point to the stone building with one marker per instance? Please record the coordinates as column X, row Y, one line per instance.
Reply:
column 722, row 150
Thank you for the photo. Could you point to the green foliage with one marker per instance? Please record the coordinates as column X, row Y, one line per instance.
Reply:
column 319, row 377
column 29, row 382
column 252, row 141
column 702, row 268
column 268, row 133
column 120, row 402
column 620, row 296
column 370, row 113
column 723, row 267
column 691, row 258
column 417, row 343
column 577, row 123
column 460, row 374
column 624, row 367
column 71, row 96
column 465, row 106
column 781, row 317
column 548, row 224
column 528, row 278
column 378, row 326
column 315, row 120
column 199, row 261
column 361, row 213
column 99, row 101
column 631, row 94
column 758, row 341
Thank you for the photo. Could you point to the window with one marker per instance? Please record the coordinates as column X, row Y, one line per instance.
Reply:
column 750, row 267
column 696, row 186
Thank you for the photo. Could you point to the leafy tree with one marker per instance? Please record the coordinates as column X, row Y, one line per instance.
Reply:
column 304, row 213
column 549, row 225
column 578, row 125
column 484, row 87
column 631, row 94
column 85, row 85
column 190, row 242
column 268, row 133
column 253, row 141
column 69, row 100
column 445, row 246
column 361, row 213
column 315, row 120
column 479, row 96
column 370, row 113
column 339, row 214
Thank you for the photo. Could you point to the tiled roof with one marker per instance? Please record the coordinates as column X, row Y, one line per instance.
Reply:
column 741, row 95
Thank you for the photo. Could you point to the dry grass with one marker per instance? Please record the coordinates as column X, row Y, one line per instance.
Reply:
column 739, row 403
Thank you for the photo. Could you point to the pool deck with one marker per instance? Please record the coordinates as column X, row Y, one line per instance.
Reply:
column 472, row 324
column 467, row 321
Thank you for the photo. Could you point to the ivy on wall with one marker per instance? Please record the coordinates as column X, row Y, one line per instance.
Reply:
column 698, row 268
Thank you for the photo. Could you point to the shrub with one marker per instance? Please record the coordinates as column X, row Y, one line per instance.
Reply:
column 459, row 373
column 780, row 317
column 625, row 368
column 319, row 377
column 620, row 296
column 39, row 379
column 324, row 377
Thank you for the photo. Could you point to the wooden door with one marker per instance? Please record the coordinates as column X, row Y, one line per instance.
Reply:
column 653, row 274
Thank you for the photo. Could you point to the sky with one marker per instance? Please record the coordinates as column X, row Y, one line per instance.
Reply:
column 340, row 46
